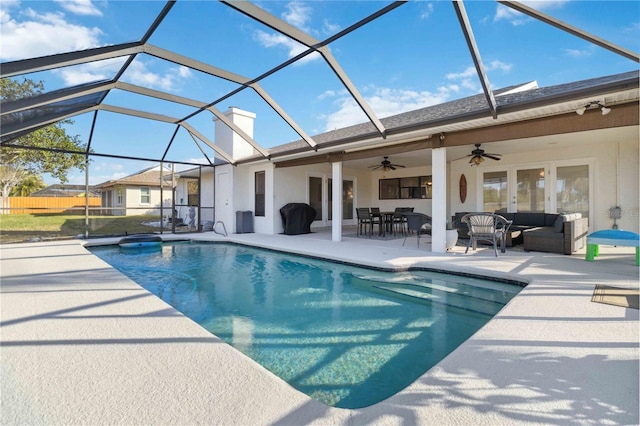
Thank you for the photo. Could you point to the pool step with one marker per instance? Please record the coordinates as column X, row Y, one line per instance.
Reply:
column 480, row 300
column 479, row 289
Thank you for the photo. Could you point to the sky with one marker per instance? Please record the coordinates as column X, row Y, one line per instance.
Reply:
column 413, row 57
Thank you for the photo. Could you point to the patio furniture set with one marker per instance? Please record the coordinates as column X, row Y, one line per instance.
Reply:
column 546, row 232
column 388, row 222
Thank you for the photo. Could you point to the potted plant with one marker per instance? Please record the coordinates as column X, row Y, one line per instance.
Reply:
column 452, row 235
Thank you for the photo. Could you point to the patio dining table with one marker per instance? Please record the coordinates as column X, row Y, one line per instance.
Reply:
column 386, row 222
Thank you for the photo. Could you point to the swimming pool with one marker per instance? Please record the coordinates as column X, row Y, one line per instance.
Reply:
column 346, row 336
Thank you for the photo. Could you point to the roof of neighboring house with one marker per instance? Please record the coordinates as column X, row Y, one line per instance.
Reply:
column 146, row 177
column 64, row 190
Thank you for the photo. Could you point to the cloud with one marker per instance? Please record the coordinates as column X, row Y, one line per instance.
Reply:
column 426, row 10
column 577, row 53
column 278, row 40
column 92, row 71
column 389, row 101
column 469, row 77
column 385, row 102
column 80, row 7
column 516, row 18
column 327, row 94
column 40, row 34
column 329, row 28
column 139, row 74
column 297, row 14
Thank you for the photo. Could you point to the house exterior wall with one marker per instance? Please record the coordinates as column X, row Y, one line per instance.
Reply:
column 133, row 206
column 614, row 176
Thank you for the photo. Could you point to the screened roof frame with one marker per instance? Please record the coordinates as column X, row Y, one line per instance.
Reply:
column 132, row 49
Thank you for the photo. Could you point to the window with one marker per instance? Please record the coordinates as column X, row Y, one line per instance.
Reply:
column 260, row 192
column 405, row 188
column 145, row 195
column 120, row 196
column 193, row 193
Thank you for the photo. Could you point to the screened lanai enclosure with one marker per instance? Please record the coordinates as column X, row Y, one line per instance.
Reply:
column 143, row 84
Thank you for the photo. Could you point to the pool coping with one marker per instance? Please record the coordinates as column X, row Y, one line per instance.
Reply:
column 550, row 356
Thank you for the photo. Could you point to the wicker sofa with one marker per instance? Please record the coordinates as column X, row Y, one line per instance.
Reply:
column 547, row 232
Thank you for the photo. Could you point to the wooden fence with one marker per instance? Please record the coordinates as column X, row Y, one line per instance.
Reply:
column 26, row 205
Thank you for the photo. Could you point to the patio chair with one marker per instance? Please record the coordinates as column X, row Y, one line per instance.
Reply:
column 399, row 220
column 488, row 227
column 365, row 220
column 376, row 217
column 418, row 222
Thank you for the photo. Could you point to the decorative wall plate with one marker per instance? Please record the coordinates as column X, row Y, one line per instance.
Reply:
column 463, row 188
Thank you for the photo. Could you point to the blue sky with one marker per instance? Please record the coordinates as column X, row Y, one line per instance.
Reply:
column 415, row 56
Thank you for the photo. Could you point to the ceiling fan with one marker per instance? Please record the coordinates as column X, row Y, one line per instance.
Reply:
column 385, row 165
column 478, row 155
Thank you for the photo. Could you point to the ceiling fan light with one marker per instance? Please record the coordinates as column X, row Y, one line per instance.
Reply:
column 581, row 111
column 605, row 110
column 475, row 161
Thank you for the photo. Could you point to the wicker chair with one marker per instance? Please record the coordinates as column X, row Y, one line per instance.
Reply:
column 488, row 227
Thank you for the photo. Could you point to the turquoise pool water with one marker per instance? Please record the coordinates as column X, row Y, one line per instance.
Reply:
column 346, row 336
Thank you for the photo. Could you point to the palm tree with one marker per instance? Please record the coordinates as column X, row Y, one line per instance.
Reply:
column 28, row 185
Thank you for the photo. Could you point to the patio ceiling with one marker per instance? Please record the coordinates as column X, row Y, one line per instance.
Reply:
column 26, row 115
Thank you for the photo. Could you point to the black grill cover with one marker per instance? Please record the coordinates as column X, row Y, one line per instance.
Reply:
column 297, row 218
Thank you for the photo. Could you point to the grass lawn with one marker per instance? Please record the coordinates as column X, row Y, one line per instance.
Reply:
column 23, row 227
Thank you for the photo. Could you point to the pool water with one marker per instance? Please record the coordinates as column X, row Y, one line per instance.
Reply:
column 346, row 336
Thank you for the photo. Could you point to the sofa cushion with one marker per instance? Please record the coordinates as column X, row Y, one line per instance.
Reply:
column 562, row 218
column 558, row 226
column 528, row 218
column 550, row 219
column 508, row 216
column 544, row 232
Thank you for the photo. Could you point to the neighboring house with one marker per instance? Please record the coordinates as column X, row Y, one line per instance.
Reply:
column 194, row 191
column 556, row 155
column 136, row 194
column 65, row 190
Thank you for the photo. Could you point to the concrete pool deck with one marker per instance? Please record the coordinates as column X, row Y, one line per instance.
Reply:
column 83, row 344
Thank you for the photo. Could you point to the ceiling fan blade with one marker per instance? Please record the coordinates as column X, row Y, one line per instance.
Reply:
column 492, row 156
column 398, row 165
column 391, row 167
column 375, row 167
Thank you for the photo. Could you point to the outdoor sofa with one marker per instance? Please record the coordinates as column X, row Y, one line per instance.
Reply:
column 547, row 232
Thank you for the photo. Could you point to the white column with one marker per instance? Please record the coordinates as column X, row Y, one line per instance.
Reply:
column 336, row 196
column 439, row 201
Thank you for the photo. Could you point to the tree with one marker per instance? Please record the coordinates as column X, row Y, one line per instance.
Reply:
column 17, row 164
column 28, row 186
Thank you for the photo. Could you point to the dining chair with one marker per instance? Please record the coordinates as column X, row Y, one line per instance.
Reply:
column 364, row 221
column 399, row 220
column 376, row 218
column 418, row 222
column 488, row 227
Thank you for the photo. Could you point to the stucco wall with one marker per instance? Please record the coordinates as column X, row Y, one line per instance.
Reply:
column 613, row 165
column 135, row 207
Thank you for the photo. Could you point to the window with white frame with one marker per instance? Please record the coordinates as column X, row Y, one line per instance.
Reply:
column 145, row 195
column 120, row 196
